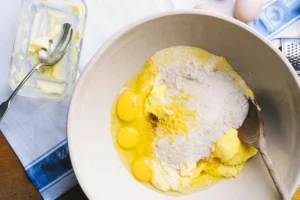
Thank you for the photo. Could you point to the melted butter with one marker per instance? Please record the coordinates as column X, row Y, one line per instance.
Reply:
column 50, row 87
column 75, row 9
column 77, row 35
column 55, row 72
column 228, row 155
column 39, row 43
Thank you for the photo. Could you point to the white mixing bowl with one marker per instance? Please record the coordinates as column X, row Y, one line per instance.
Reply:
column 96, row 163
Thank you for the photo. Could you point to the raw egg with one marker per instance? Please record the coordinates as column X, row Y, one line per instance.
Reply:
column 141, row 170
column 247, row 10
column 127, row 106
column 128, row 138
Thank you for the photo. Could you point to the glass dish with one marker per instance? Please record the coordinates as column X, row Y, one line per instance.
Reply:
column 40, row 21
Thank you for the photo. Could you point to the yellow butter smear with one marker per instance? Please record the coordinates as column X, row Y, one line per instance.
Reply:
column 138, row 118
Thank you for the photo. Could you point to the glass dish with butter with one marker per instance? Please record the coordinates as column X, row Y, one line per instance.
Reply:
column 40, row 25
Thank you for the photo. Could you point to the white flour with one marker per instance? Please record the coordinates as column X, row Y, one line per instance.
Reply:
column 219, row 104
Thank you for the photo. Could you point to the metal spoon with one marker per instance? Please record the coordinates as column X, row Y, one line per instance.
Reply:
column 252, row 133
column 47, row 58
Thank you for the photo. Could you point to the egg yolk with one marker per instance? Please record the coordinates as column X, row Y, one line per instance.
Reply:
column 141, row 170
column 127, row 106
column 128, row 138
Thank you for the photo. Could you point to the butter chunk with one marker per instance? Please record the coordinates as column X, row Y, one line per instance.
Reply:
column 244, row 153
column 228, row 146
column 50, row 87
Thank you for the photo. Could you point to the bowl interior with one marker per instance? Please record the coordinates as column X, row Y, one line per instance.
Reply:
column 97, row 165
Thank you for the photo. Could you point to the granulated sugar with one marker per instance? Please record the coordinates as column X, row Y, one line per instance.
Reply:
column 217, row 100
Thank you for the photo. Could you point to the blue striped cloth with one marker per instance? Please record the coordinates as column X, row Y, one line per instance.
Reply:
column 37, row 130
column 51, row 168
column 276, row 17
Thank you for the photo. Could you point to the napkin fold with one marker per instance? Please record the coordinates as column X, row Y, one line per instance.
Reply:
column 36, row 129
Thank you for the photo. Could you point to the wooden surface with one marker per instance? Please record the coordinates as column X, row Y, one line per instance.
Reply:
column 14, row 184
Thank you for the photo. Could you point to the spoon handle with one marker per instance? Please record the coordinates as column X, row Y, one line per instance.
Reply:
column 5, row 105
column 35, row 67
column 274, row 175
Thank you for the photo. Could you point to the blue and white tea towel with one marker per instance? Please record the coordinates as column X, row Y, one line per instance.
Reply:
column 279, row 18
column 37, row 129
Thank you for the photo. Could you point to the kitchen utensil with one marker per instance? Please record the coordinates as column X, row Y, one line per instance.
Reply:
column 47, row 58
column 252, row 132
